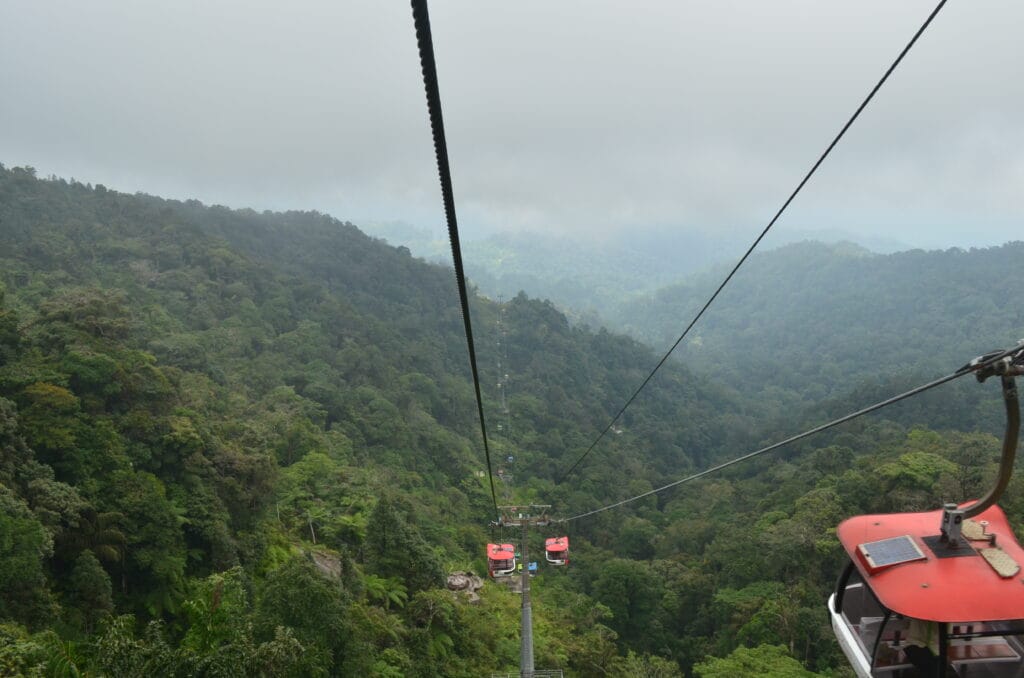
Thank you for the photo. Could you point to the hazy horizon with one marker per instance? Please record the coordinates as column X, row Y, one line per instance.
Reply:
column 584, row 120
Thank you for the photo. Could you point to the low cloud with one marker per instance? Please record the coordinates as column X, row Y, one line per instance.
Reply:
column 580, row 118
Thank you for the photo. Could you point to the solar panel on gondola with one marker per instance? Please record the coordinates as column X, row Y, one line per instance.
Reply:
column 893, row 551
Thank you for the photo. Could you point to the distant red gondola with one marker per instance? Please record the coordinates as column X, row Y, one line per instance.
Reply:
column 556, row 550
column 501, row 560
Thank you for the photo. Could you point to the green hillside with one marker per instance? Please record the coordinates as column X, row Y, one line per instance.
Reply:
column 814, row 322
column 584, row 274
column 240, row 443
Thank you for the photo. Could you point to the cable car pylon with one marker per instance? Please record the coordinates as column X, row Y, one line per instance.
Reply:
column 525, row 517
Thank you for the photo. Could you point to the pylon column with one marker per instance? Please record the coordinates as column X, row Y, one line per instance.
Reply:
column 526, row 636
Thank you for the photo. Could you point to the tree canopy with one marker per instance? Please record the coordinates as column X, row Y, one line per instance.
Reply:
column 241, row 443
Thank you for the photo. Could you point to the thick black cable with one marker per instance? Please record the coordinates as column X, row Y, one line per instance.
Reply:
column 767, row 228
column 426, row 48
column 967, row 369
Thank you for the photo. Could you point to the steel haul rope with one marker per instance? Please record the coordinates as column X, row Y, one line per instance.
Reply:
column 972, row 367
column 426, row 49
column 767, row 228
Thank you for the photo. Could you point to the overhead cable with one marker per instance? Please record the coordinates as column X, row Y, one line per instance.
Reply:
column 767, row 228
column 426, row 48
column 974, row 366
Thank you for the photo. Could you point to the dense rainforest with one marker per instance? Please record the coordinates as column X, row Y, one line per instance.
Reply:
column 818, row 321
column 241, row 443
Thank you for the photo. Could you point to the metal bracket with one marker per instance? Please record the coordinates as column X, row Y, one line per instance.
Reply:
column 517, row 516
column 1011, row 364
column 1007, row 368
column 952, row 525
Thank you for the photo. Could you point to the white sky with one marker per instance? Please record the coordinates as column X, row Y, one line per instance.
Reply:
column 569, row 117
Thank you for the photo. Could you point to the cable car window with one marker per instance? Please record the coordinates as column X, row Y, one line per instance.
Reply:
column 862, row 612
column 991, row 649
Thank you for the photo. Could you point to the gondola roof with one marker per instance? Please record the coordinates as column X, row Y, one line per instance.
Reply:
column 943, row 589
column 501, row 551
column 555, row 544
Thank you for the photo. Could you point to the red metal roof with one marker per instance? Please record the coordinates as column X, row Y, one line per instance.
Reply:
column 959, row 589
column 501, row 551
column 556, row 544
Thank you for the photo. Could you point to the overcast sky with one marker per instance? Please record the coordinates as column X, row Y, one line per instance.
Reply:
column 572, row 117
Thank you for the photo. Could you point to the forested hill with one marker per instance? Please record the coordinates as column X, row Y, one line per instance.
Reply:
column 809, row 321
column 586, row 274
column 591, row 273
column 255, row 301
column 193, row 398
column 242, row 444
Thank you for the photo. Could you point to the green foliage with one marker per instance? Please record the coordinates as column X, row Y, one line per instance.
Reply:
column 10, row 338
column 645, row 666
column 89, row 592
column 63, row 658
column 836, row 323
column 155, row 557
column 770, row 661
column 14, row 453
column 394, row 548
column 244, row 444
column 297, row 597
column 48, row 421
column 387, row 592
column 216, row 612
column 317, row 501
column 24, row 546
column 120, row 652
column 20, row 653
column 631, row 591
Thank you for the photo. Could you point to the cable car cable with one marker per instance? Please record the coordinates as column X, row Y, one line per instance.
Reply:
column 974, row 366
column 426, row 48
column 767, row 228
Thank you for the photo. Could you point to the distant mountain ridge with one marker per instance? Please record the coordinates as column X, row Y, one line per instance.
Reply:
column 814, row 318
column 585, row 275
column 786, row 303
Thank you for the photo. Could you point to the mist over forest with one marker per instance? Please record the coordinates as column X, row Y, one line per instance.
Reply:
column 588, row 276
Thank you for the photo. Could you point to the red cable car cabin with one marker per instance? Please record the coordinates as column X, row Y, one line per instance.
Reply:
column 501, row 560
column 938, row 593
column 556, row 550
column 901, row 586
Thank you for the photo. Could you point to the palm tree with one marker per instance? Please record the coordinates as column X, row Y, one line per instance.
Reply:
column 99, row 533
